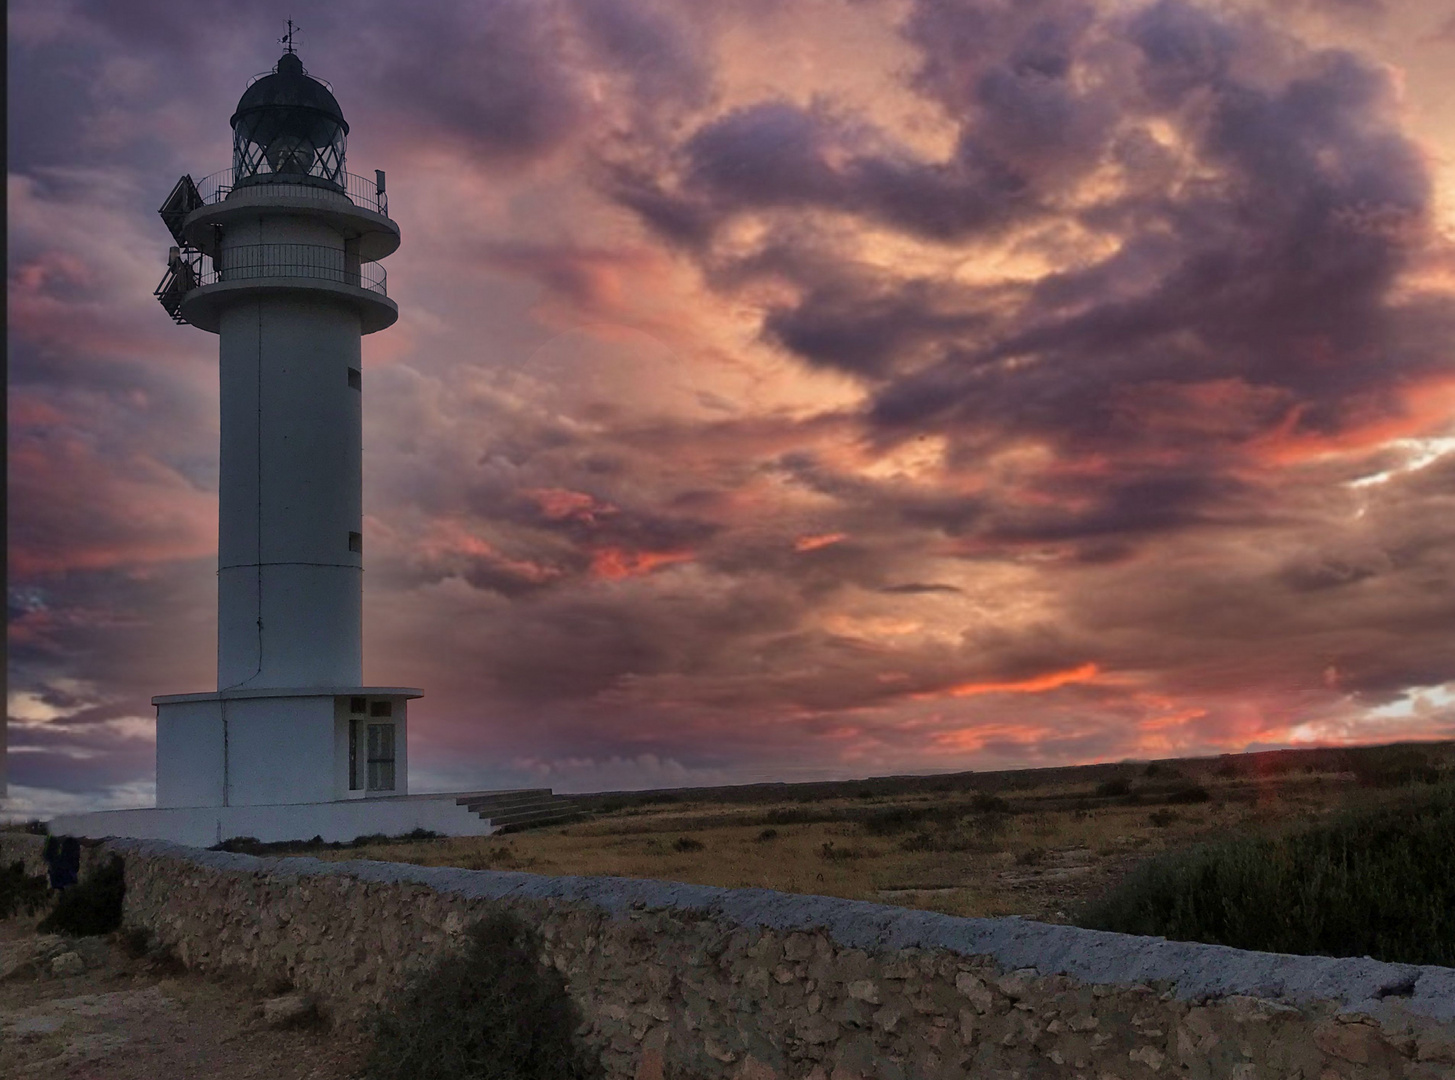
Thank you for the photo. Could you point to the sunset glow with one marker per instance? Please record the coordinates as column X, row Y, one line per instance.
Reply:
column 1035, row 685
column 780, row 391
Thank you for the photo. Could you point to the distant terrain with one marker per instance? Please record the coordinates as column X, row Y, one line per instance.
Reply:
column 1040, row 843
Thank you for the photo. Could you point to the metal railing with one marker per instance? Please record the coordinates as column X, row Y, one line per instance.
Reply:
column 361, row 191
column 250, row 261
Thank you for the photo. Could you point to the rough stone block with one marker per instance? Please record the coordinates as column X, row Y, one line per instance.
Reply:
column 68, row 963
column 287, row 1009
column 1357, row 1043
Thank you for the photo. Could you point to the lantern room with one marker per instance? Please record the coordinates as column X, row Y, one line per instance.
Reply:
column 288, row 127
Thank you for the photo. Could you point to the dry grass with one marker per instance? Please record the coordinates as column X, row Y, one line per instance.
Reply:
column 1059, row 845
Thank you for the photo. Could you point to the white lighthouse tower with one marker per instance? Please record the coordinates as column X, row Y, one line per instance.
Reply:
column 279, row 257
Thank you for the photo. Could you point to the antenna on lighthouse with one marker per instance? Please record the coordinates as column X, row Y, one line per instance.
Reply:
column 287, row 39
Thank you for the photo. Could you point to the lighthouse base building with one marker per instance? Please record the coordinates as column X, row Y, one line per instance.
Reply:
column 279, row 257
column 292, row 764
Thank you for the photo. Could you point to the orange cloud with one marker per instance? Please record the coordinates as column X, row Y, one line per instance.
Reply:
column 448, row 538
column 559, row 503
column 86, row 512
column 1035, row 685
column 975, row 738
column 613, row 564
column 1427, row 406
column 813, row 543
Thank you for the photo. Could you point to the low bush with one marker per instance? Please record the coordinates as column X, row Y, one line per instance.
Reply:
column 896, row 819
column 20, row 891
column 982, row 803
column 494, row 1012
column 1377, row 883
column 1193, row 793
column 921, row 841
column 92, row 905
column 1114, row 789
column 1396, row 766
column 893, row 820
column 134, row 941
column 251, row 845
column 686, row 843
column 766, row 835
column 1162, row 818
column 795, row 816
column 837, row 854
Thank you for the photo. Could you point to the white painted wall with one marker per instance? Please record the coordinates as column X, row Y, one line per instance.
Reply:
column 291, row 420
column 280, row 750
column 334, row 821
column 271, row 749
column 189, row 754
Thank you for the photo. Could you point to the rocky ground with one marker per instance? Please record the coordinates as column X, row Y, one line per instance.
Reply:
column 86, row 1009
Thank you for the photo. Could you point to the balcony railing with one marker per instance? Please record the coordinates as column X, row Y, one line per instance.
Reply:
column 249, row 261
column 361, row 191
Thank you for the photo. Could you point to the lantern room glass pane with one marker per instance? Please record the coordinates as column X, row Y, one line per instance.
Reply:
column 287, row 143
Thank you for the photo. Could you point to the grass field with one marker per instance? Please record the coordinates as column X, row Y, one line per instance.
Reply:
column 1040, row 843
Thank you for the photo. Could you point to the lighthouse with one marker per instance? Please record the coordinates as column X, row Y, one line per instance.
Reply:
column 294, row 282
column 279, row 256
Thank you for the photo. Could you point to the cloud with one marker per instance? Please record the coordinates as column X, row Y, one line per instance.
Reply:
column 777, row 393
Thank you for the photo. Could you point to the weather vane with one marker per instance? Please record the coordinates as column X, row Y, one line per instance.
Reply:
column 287, row 39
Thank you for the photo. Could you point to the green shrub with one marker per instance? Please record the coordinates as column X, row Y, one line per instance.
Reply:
column 895, row 819
column 982, row 803
column 1396, row 766
column 92, row 905
column 1377, row 883
column 19, row 890
column 251, row 845
column 495, row 1012
column 921, row 841
column 1193, row 793
column 134, row 941
column 795, row 816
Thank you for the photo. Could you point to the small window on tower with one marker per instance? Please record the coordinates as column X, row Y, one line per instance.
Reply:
column 356, row 542
column 356, row 378
column 381, row 708
column 357, row 705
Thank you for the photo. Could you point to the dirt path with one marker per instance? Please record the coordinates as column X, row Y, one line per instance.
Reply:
column 84, row 1010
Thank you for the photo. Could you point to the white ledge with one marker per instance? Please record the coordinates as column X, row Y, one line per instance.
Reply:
column 291, row 691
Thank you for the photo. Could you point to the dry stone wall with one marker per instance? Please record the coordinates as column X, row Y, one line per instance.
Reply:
column 688, row 981
column 26, row 848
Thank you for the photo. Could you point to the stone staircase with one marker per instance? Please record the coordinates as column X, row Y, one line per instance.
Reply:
column 524, row 808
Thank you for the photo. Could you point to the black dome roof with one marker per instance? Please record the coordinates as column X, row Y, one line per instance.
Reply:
column 289, row 87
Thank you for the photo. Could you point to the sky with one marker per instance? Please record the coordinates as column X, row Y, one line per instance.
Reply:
column 782, row 389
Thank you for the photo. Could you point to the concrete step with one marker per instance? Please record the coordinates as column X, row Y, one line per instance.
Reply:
column 506, row 804
column 502, row 817
column 482, row 798
column 511, row 807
